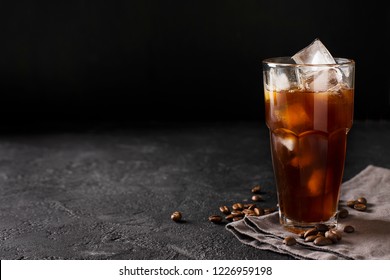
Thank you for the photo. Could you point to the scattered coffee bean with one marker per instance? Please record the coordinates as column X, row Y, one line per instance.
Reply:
column 256, row 189
column 251, row 206
column 362, row 200
column 176, row 216
column 349, row 229
column 312, row 231
column 224, row 209
column 311, row 238
column 301, row 234
column 332, row 236
column 237, row 218
column 257, row 197
column 216, row 219
column 229, row 217
column 322, row 241
column 360, row 207
column 321, row 227
column 237, row 213
column 337, row 233
column 248, row 212
column 351, row 203
column 289, row 241
column 343, row 213
column 320, row 233
column 360, row 204
column 259, row 211
column 238, row 206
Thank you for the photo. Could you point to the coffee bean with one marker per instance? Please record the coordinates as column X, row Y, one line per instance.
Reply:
column 302, row 234
column 311, row 238
column 332, row 236
column 312, row 231
column 321, row 227
column 351, row 203
column 224, row 209
column 343, row 213
column 237, row 218
column 238, row 206
column 248, row 212
column 257, row 197
column 250, row 206
column 349, row 229
column 256, row 189
column 289, row 241
column 320, row 233
column 362, row 200
column 216, row 219
column 259, row 211
column 360, row 207
column 337, row 233
column 322, row 241
column 237, row 213
column 176, row 216
column 229, row 217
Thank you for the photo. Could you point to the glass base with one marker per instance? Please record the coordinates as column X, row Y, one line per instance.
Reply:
column 298, row 227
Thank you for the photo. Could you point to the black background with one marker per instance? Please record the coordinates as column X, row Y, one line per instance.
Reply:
column 123, row 61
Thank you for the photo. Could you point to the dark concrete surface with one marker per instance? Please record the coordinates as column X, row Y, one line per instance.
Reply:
column 109, row 193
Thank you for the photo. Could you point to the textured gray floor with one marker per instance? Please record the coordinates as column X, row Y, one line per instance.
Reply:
column 108, row 194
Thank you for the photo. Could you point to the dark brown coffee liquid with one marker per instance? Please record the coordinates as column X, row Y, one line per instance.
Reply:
column 308, row 141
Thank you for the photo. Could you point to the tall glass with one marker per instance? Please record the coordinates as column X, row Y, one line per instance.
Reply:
column 309, row 111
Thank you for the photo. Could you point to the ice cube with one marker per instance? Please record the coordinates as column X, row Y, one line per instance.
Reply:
column 316, row 183
column 288, row 142
column 315, row 53
column 321, row 78
column 296, row 117
column 278, row 81
column 285, row 144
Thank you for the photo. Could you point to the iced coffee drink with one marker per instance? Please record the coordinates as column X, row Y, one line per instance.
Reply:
column 309, row 111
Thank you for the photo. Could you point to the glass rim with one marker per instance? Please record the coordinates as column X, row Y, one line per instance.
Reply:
column 287, row 61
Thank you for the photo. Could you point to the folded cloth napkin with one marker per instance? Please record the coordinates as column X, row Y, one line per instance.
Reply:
column 371, row 239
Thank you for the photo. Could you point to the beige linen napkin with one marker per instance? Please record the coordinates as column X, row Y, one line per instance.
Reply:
column 371, row 239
